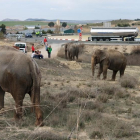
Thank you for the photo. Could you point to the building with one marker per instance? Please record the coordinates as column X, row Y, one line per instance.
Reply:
column 68, row 31
column 32, row 26
column 107, row 24
column 58, row 22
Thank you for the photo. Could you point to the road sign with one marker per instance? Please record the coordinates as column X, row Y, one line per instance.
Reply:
column 78, row 30
column 80, row 36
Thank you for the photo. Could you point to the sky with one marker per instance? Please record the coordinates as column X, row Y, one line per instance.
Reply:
column 70, row 9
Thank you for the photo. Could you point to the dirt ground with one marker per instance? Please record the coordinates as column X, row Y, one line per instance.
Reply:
column 77, row 105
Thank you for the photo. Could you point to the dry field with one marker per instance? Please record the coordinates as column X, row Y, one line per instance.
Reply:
column 78, row 106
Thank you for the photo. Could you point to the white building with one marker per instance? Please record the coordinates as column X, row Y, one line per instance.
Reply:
column 58, row 22
column 107, row 24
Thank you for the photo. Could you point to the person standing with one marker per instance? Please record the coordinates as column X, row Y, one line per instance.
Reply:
column 33, row 48
column 46, row 46
column 45, row 40
column 49, row 51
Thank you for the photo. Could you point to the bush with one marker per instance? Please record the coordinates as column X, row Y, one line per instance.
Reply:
column 133, row 59
column 46, row 135
column 61, row 52
column 135, row 50
column 128, row 81
column 1, row 35
column 96, row 134
column 50, row 31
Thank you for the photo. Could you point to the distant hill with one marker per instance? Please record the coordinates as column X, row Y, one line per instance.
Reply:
column 69, row 21
column 8, row 19
column 54, row 20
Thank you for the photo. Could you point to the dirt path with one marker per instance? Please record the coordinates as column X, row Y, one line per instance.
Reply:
column 55, row 48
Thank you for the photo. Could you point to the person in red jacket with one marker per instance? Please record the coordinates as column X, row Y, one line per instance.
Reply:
column 45, row 40
column 33, row 48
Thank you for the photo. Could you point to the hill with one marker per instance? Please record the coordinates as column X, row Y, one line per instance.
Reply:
column 8, row 19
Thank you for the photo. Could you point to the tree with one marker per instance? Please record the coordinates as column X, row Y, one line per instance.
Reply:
column 3, row 28
column 51, row 24
column 50, row 31
column 64, row 24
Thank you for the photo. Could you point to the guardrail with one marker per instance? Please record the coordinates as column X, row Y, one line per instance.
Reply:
column 110, row 42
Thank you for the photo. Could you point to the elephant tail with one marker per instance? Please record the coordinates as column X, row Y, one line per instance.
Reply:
column 36, row 78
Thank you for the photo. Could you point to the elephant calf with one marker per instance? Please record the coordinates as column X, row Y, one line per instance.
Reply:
column 111, row 59
column 20, row 74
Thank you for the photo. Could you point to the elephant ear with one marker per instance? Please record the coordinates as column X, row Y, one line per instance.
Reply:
column 101, row 54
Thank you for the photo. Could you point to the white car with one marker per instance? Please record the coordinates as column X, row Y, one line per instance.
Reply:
column 22, row 46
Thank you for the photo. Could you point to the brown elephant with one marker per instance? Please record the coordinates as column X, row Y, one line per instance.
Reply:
column 20, row 74
column 111, row 59
column 71, row 51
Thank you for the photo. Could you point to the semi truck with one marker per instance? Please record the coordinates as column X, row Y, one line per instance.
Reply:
column 113, row 34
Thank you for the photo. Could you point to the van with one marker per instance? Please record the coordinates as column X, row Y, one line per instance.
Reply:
column 21, row 46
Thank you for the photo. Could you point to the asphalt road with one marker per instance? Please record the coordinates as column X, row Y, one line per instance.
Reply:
column 50, row 41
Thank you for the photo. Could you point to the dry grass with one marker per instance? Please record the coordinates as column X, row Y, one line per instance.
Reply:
column 77, row 105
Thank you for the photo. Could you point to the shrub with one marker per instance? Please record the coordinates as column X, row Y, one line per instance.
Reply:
column 61, row 52
column 135, row 50
column 103, row 98
column 72, row 122
column 46, row 135
column 128, row 81
column 1, row 35
column 133, row 59
column 96, row 134
column 109, row 89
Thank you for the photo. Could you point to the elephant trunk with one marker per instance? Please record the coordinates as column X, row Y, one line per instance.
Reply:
column 93, row 65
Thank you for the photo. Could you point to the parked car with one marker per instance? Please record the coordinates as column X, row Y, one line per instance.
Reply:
column 21, row 46
column 28, row 35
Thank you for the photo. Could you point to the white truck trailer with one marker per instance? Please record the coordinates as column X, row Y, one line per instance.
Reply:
column 112, row 34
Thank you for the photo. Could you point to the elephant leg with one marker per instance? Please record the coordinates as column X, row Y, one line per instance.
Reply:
column 18, row 102
column 77, row 56
column 38, row 111
column 114, row 75
column 122, row 72
column 2, row 93
column 66, row 54
column 69, row 55
column 105, row 67
column 100, row 71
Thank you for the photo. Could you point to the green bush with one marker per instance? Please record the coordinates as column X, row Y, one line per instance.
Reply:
column 1, row 35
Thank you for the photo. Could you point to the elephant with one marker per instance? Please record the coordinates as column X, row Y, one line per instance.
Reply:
column 71, row 50
column 20, row 74
column 108, row 59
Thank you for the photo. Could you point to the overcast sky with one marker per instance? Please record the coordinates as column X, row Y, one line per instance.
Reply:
column 70, row 9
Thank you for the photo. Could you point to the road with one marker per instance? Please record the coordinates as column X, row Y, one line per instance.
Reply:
column 56, row 44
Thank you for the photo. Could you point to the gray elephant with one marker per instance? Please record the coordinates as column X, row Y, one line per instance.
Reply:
column 20, row 74
column 71, row 51
column 111, row 59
